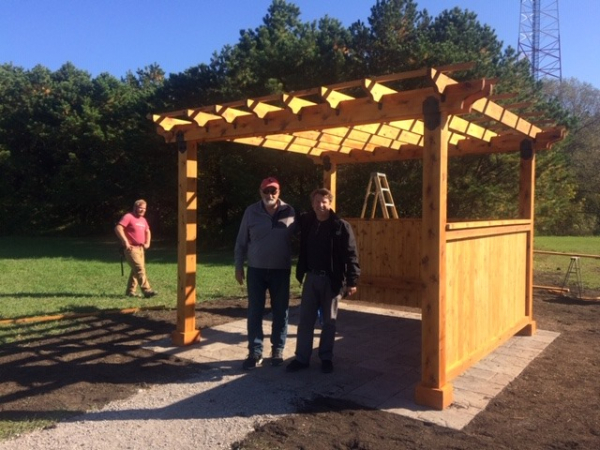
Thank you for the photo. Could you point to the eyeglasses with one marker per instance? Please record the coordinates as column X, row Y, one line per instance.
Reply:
column 270, row 191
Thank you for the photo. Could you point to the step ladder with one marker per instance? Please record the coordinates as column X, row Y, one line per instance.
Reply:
column 379, row 189
column 575, row 269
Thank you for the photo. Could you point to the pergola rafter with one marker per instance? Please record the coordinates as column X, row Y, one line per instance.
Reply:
column 299, row 123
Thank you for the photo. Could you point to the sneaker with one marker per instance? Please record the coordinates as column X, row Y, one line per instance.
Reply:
column 295, row 366
column 251, row 362
column 149, row 294
column 326, row 366
column 132, row 294
column 277, row 358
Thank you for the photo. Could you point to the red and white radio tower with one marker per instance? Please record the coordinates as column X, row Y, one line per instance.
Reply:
column 539, row 37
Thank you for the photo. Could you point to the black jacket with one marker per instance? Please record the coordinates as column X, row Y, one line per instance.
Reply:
column 343, row 267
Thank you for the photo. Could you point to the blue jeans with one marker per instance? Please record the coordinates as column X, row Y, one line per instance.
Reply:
column 277, row 282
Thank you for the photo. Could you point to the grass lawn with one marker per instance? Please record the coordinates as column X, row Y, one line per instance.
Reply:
column 49, row 276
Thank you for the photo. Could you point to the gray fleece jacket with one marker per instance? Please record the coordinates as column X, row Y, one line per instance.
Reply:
column 265, row 240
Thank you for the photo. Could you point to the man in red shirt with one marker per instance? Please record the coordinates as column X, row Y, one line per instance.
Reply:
column 134, row 233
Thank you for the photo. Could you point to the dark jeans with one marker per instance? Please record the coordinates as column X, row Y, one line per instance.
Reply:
column 317, row 295
column 277, row 282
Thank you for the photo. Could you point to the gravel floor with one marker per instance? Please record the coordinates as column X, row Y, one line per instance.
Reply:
column 211, row 411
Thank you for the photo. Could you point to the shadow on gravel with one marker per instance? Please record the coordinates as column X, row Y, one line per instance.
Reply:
column 92, row 361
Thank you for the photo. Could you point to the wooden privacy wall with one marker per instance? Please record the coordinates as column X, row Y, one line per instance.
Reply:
column 486, row 280
column 389, row 255
column 486, row 291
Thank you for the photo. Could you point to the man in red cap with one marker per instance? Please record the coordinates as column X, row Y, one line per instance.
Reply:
column 264, row 239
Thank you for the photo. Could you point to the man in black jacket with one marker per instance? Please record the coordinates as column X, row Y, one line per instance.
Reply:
column 329, row 260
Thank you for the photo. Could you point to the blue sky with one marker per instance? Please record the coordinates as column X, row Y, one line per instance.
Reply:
column 119, row 35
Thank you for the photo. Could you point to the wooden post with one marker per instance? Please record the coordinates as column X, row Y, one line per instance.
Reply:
column 433, row 390
column 186, row 332
column 526, row 211
column 330, row 180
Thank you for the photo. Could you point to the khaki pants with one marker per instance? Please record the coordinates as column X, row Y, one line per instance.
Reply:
column 135, row 259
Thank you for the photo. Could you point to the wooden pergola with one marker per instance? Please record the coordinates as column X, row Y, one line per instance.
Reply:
column 473, row 280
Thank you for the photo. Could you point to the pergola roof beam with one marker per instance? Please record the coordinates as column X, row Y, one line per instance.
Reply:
column 466, row 128
column 330, row 120
column 499, row 144
column 168, row 123
column 201, row 117
column 276, row 144
column 334, row 97
column 506, row 117
column 260, row 108
column 229, row 114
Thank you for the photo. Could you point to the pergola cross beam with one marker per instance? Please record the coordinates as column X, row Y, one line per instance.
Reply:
column 378, row 120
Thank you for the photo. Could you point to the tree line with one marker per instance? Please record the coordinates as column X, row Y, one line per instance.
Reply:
column 77, row 150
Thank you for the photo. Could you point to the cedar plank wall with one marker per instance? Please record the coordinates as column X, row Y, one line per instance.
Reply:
column 485, row 283
column 486, row 291
column 389, row 253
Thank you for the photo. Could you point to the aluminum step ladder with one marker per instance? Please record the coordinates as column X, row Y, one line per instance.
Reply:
column 574, row 269
column 379, row 190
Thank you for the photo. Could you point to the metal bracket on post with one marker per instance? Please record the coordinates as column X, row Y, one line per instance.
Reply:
column 526, row 149
column 327, row 163
column 181, row 146
column 431, row 113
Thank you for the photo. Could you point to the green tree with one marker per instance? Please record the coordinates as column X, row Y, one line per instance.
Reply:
column 283, row 54
column 390, row 43
column 75, row 151
column 581, row 149
column 73, row 147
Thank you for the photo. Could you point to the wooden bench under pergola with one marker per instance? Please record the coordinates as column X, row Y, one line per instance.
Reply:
column 473, row 280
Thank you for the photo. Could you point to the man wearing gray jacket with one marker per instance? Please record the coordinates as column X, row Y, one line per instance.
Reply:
column 264, row 239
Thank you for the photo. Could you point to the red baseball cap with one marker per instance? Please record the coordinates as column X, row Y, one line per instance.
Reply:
column 269, row 182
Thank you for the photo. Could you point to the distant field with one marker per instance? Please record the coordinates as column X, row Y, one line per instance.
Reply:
column 554, row 268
